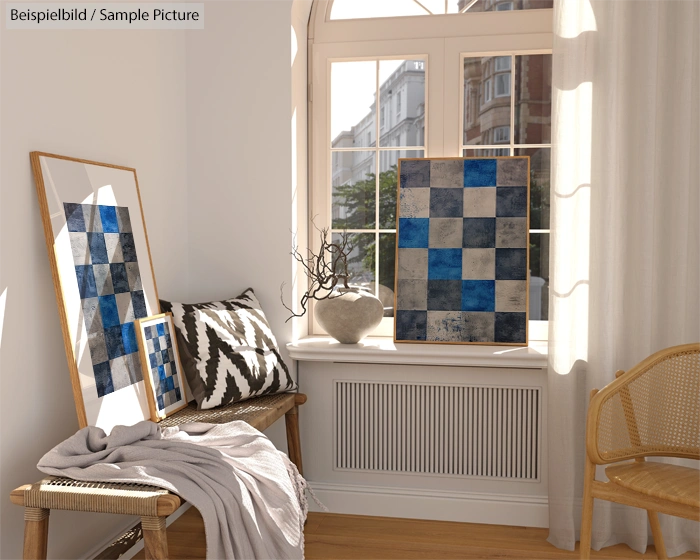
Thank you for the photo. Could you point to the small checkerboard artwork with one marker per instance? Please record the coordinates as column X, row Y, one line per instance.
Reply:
column 109, row 283
column 160, row 358
column 462, row 239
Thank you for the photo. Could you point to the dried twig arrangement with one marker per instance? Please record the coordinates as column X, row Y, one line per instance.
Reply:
column 324, row 270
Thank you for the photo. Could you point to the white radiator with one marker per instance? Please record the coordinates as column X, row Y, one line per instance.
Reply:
column 461, row 430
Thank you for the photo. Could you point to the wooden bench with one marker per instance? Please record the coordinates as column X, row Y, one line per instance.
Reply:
column 152, row 504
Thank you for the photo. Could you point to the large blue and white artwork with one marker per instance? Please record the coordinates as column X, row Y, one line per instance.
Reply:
column 109, row 283
column 101, row 267
column 462, row 250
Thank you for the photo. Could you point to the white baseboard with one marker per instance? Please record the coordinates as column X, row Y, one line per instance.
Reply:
column 411, row 503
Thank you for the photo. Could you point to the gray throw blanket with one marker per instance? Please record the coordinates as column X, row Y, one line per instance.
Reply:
column 250, row 495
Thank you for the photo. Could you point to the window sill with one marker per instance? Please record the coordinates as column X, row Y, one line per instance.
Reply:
column 383, row 350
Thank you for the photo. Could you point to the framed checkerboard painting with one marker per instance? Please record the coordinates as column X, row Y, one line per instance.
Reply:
column 101, row 266
column 462, row 250
column 160, row 362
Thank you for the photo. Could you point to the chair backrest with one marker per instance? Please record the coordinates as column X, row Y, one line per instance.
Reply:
column 651, row 410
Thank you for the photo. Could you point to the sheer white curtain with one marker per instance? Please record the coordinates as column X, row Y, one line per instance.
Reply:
column 625, row 254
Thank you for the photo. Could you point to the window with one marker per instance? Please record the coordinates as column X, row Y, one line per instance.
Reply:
column 502, row 88
column 527, row 113
column 504, row 6
column 494, row 103
column 487, row 91
column 502, row 63
column 501, row 135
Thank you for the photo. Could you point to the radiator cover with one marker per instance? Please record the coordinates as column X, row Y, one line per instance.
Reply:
column 443, row 430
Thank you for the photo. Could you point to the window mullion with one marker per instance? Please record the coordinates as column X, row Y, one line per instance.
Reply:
column 377, row 167
column 512, row 104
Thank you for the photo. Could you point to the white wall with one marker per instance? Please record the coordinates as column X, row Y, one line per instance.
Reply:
column 240, row 158
column 117, row 97
column 239, row 153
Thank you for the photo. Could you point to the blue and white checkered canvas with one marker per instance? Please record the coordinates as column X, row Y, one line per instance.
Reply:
column 161, row 360
column 112, row 297
column 462, row 271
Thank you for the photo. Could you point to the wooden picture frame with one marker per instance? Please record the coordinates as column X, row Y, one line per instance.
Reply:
column 160, row 361
column 103, row 278
column 462, row 258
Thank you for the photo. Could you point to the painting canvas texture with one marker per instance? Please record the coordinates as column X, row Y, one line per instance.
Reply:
column 462, row 250
column 109, row 283
column 98, row 249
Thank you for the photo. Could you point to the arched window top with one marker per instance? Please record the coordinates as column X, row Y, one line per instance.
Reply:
column 362, row 9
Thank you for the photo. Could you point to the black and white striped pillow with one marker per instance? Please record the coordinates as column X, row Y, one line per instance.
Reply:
column 228, row 351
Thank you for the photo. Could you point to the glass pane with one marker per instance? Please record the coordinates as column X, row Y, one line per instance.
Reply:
column 402, row 103
column 360, row 258
column 487, row 153
column 533, row 99
column 353, row 93
column 387, row 256
column 539, row 276
column 487, row 91
column 456, row 6
column 359, row 9
column 539, row 185
column 388, row 167
column 354, row 190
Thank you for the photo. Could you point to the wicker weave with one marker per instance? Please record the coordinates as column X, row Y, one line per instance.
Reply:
column 653, row 409
column 248, row 411
column 69, row 494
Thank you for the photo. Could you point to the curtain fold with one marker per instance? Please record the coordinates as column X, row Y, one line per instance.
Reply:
column 625, row 234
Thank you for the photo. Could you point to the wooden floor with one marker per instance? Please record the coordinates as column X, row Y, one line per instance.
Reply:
column 330, row 536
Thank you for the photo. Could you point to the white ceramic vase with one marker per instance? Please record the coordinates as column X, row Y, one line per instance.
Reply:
column 350, row 315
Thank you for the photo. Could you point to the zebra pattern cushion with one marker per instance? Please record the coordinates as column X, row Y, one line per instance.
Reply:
column 228, row 351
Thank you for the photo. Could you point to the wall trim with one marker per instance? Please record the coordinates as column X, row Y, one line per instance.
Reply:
column 467, row 507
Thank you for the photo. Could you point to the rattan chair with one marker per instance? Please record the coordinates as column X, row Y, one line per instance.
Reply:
column 652, row 410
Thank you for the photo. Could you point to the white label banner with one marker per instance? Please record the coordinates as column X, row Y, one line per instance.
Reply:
column 102, row 15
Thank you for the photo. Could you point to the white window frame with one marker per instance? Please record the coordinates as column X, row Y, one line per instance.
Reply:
column 441, row 41
column 398, row 106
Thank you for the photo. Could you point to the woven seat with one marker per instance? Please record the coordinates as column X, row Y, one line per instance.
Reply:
column 152, row 504
column 651, row 410
column 676, row 484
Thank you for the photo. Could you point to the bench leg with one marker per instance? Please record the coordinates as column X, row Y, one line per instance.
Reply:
column 155, row 538
column 36, row 533
column 291, row 420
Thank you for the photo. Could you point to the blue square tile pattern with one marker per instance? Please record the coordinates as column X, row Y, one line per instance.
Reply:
column 480, row 172
column 108, row 215
column 478, row 295
column 414, row 233
column 444, row 264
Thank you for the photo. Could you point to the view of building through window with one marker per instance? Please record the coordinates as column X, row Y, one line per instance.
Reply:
column 515, row 120
column 378, row 114
column 364, row 180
